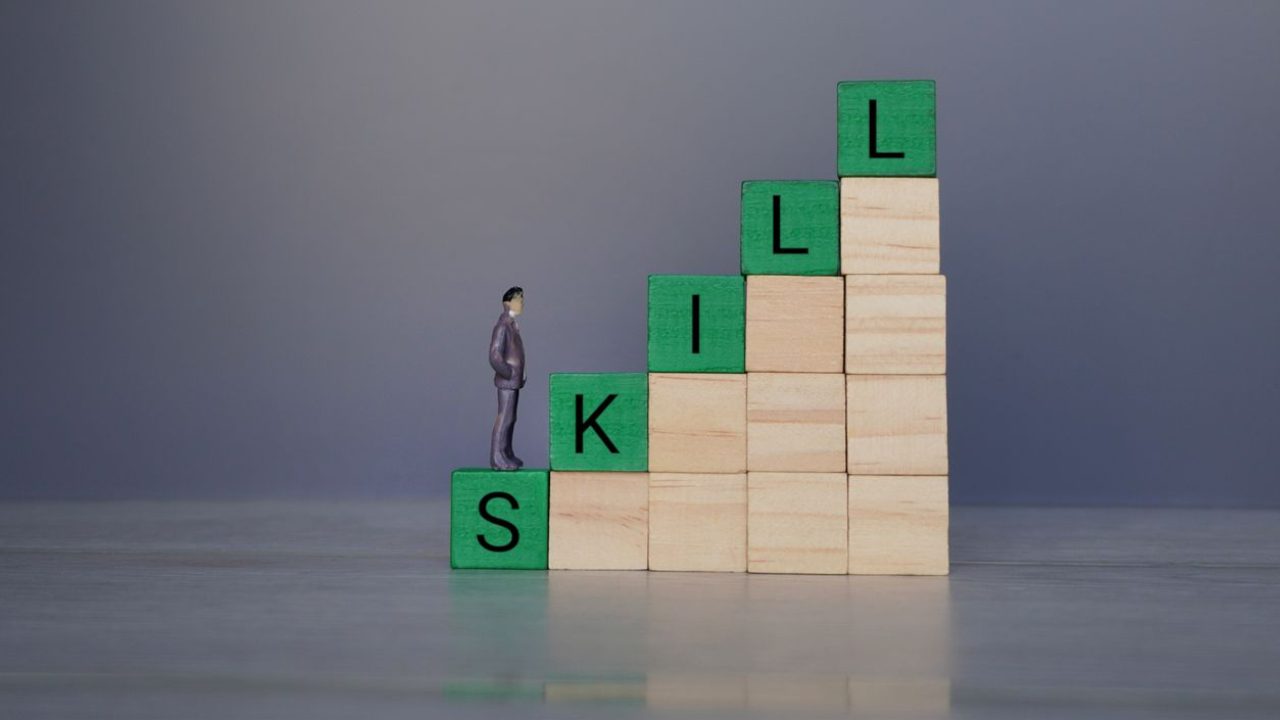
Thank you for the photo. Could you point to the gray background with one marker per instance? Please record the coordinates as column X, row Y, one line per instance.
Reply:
column 256, row 249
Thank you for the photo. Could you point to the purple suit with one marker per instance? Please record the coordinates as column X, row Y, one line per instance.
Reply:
column 506, row 356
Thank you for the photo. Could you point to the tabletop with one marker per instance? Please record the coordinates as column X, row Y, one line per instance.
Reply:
column 318, row 610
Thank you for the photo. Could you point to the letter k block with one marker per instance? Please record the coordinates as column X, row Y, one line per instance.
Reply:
column 599, row 421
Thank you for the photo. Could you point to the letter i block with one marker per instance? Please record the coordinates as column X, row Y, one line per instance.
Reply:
column 498, row 519
column 599, row 421
column 697, row 323
column 790, row 227
column 886, row 129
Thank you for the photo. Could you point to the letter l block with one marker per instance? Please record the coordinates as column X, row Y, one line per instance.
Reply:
column 599, row 421
column 886, row 129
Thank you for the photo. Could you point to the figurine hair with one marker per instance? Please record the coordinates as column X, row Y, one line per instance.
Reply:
column 512, row 294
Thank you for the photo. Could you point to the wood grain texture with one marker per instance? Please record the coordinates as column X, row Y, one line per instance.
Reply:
column 905, row 123
column 796, row 422
column 897, row 424
column 807, row 223
column 898, row 525
column 516, row 530
column 797, row 523
column 795, row 324
column 598, row 521
column 710, row 340
column 697, row 422
column 623, row 421
column 895, row 324
column 698, row 522
column 889, row 226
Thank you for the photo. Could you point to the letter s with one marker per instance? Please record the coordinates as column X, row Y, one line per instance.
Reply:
column 484, row 513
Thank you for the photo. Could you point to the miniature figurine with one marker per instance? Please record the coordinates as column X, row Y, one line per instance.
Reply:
column 506, row 355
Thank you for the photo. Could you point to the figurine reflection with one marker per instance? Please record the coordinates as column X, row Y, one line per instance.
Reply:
column 506, row 355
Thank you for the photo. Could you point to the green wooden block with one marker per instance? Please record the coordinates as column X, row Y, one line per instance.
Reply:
column 599, row 421
column 697, row 323
column 886, row 129
column 790, row 227
column 498, row 519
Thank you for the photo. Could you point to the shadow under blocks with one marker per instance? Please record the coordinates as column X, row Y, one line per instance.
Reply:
column 794, row 415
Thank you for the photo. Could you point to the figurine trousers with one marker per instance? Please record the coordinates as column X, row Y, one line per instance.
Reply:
column 501, row 456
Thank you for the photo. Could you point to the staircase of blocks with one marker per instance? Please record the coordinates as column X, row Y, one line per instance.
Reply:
column 794, row 416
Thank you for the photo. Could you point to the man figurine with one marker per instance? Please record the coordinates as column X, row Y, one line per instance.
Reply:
column 506, row 355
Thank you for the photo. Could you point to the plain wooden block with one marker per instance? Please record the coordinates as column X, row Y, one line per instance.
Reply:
column 895, row 324
column 897, row 424
column 498, row 519
column 599, row 521
column 790, row 227
column 796, row 422
column 886, row 128
column 798, row 695
column 795, row 324
column 889, row 226
column 898, row 525
column 900, row 697
column 797, row 523
column 697, row 422
column 695, row 691
column 698, row 522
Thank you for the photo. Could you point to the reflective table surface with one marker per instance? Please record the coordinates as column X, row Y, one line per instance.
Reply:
column 336, row 610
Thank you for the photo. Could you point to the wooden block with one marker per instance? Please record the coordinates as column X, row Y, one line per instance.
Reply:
column 898, row 525
column 498, row 519
column 696, row 323
column 790, row 227
column 897, row 424
column 900, row 697
column 599, row 521
column 698, row 522
column 795, row 422
column 695, row 691
column 889, row 226
column 796, row 523
column 797, row 695
column 697, row 422
column 886, row 129
column 795, row 324
column 895, row 324
column 599, row 421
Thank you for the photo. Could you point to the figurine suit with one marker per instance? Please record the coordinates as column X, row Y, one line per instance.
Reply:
column 506, row 355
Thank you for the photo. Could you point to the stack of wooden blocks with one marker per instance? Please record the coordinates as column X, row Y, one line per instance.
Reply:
column 794, row 417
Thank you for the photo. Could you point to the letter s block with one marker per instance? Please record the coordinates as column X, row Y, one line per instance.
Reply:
column 599, row 421
column 498, row 519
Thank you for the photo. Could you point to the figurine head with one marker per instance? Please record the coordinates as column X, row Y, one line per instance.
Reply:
column 513, row 300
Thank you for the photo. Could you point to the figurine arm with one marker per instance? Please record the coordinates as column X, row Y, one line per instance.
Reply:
column 498, row 352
